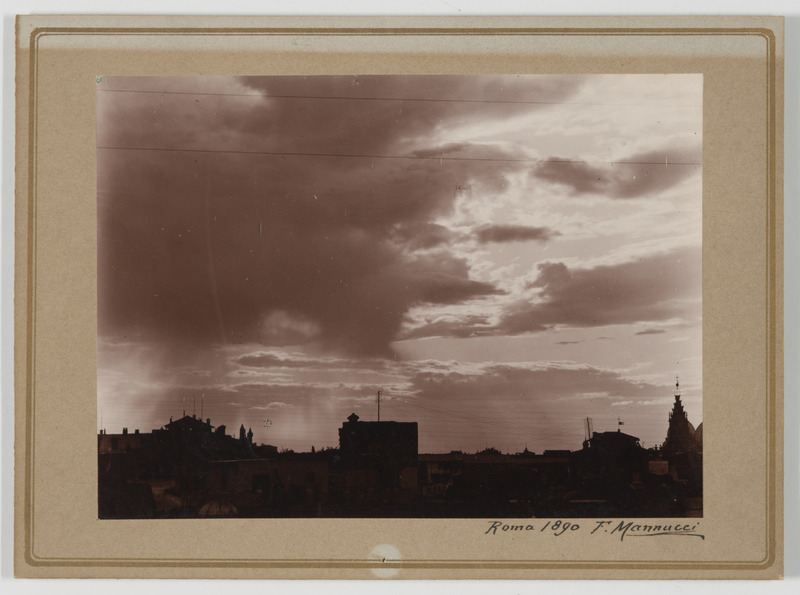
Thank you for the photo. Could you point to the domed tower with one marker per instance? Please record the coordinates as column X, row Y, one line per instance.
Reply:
column 698, row 438
column 680, row 434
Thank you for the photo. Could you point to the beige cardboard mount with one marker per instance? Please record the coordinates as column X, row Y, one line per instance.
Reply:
column 57, row 531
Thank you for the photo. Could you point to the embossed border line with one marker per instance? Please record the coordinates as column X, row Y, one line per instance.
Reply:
column 771, row 307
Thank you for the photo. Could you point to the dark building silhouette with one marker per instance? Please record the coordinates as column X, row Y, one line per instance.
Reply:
column 458, row 484
column 683, row 451
column 606, row 476
column 119, row 442
column 152, row 474
column 360, row 442
column 680, row 433
column 615, row 452
column 282, row 486
column 380, row 458
column 189, row 468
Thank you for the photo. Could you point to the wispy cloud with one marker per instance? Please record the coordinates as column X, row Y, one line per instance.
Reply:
column 273, row 405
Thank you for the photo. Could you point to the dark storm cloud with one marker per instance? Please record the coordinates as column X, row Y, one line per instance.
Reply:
column 443, row 279
column 646, row 289
column 513, row 233
column 380, row 113
column 580, row 176
column 421, row 236
column 651, row 172
column 658, row 287
column 471, row 151
column 651, row 331
column 442, row 150
column 236, row 246
column 635, row 176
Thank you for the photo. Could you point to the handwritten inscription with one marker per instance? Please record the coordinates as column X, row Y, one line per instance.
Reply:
column 621, row 529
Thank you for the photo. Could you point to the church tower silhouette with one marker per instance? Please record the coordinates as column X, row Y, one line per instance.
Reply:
column 680, row 434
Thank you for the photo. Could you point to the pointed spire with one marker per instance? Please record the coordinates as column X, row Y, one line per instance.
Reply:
column 680, row 432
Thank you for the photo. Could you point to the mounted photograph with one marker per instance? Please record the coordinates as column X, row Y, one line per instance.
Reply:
column 400, row 296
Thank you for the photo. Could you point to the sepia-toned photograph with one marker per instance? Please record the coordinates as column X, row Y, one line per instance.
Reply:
column 400, row 296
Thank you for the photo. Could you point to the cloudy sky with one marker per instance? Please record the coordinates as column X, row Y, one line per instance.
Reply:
column 500, row 256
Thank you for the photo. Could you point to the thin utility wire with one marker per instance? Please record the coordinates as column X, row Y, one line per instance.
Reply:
column 412, row 157
column 408, row 99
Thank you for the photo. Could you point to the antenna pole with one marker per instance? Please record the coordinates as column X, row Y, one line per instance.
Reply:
column 379, row 405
